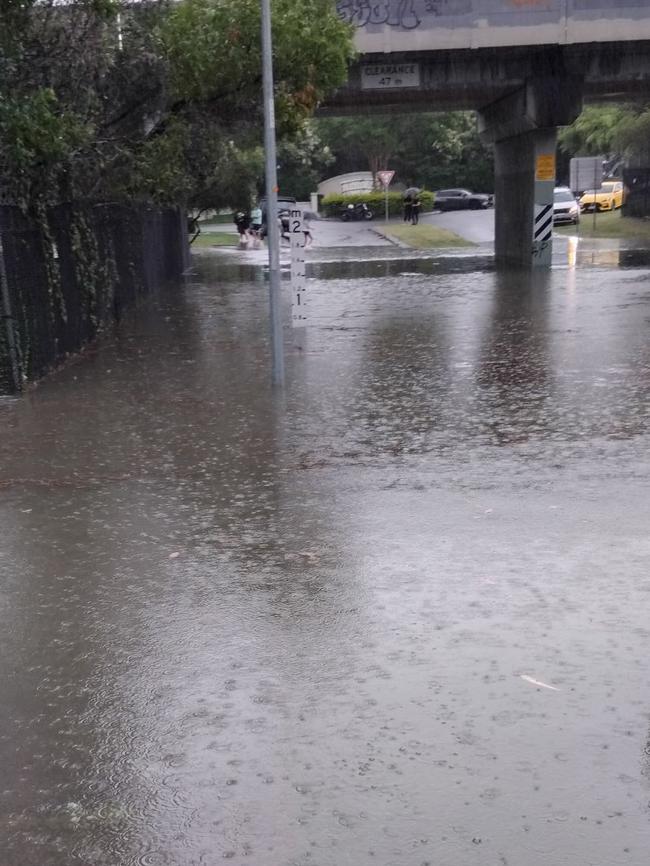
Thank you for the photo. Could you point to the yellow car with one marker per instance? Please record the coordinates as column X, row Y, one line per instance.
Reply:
column 608, row 197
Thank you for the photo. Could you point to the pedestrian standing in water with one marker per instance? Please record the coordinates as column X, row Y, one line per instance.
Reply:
column 256, row 226
column 283, row 225
column 416, row 206
column 242, row 221
column 256, row 219
column 306, row 230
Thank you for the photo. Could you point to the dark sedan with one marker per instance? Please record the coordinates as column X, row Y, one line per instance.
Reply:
column 462, row 199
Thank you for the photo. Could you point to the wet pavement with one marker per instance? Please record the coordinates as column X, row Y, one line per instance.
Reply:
column 327, row 233
column 476, row 226
column 397, row 615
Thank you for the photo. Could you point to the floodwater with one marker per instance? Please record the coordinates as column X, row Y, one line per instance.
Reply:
column 398, row 615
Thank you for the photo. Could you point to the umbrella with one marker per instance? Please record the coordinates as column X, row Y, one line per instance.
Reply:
column 412, row 190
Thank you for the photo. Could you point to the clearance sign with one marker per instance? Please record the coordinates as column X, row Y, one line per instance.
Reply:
column 389, row 76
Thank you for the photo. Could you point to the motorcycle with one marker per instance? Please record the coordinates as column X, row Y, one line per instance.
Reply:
column 359, row 211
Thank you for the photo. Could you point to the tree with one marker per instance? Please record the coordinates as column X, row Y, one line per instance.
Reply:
column 361, row 142
column 303, row 159
column 104, row 99
column 45, row 114
column 444, row 149
column 595, row 131
column 432, row 150
column 618, row 132
column 633, row 137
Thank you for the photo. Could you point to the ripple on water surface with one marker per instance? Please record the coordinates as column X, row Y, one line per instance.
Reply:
column 321, row 627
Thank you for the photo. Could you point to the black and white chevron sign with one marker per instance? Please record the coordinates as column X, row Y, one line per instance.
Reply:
column 543, row 222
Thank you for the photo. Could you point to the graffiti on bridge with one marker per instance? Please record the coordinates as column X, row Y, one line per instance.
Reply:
column 394, row 13
column 539, row 248
column 398, row 13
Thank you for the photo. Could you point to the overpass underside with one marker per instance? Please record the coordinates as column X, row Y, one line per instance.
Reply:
column 521, row 94
column 473, row 78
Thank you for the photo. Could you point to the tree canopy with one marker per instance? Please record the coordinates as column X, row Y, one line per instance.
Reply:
column 106, row 99
column 618, row 132
column 427, row 150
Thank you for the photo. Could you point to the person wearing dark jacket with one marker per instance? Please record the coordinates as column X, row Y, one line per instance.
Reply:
column 416, row 207
column 243, row 223
column 408, row 208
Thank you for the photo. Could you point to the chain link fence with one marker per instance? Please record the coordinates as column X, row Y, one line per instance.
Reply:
column 76, row 270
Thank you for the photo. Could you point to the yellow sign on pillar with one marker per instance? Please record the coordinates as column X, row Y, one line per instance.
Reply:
column 545, row 169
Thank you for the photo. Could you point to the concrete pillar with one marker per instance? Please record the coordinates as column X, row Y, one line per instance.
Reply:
column 545, row 172
column 522, row 127
column 524, row 183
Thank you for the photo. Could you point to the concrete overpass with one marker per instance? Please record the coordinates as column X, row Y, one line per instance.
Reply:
column 526, row 66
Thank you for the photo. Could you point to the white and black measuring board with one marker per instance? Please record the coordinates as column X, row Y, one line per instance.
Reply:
column 298, row 269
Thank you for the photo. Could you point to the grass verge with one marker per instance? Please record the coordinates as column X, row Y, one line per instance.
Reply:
column 425, row 237
column 215, row 239
column 217, row 218
column 609, row 225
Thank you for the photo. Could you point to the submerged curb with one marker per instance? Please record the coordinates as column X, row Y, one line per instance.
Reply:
column 391, row 239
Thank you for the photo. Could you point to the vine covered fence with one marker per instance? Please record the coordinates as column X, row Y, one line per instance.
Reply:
column 74, row 270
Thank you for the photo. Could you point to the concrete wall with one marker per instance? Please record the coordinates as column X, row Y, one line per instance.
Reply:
column 354, row 182
column 424, row 25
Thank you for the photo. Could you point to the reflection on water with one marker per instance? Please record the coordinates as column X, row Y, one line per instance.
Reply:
column 398, row 267
column 613, row 258
column 390, row 264
column 291, row 629
column 513, row 370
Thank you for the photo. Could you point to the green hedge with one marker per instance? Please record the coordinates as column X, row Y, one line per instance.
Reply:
column 332, row 205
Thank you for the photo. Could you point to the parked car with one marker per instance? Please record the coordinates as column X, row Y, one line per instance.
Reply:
column 285, row 204
column 608, row 197
column 462, row 199
column 566, row 209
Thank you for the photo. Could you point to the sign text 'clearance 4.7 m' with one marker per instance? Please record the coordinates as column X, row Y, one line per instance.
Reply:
column 389, row 76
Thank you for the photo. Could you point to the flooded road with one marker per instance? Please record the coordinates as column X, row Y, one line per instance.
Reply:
column 398, row 615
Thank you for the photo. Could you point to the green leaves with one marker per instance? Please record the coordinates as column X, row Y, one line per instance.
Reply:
column 303, row 160
column 153, row 104
column 214, row 52
column 432, row 150
column 633, row 137
column 37, row 140
column 36, row 128
column 619, row 131
column 596, row 131
column 376, row 201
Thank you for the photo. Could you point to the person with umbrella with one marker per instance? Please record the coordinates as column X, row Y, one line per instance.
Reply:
column 408, row 205
column 416, row 207
column 411, row 195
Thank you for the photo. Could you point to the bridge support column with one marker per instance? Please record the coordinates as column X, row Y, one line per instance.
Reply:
column 523, row 129
column 524, row 183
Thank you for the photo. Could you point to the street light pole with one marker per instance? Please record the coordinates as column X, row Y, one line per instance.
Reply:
column 273, row 234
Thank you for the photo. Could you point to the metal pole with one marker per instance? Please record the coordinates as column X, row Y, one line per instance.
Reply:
column 386, row 188
column 273, row 234
column 6, row 314
column 597, row 185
